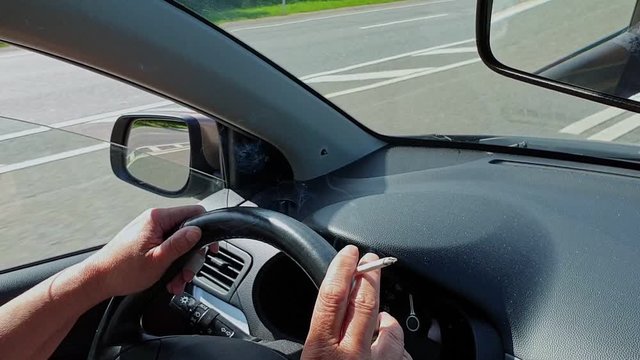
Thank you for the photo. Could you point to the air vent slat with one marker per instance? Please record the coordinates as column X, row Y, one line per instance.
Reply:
column 231, row 259
column 215, row 281
column 234, row 270
column 219, row 272
column 222, row 269
column 218, row 262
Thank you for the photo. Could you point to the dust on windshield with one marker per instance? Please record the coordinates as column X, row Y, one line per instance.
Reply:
column 411, row 68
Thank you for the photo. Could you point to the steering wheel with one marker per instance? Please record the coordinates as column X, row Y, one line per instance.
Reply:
column 120, row 334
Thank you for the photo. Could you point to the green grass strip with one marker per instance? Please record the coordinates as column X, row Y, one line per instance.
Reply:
column 220, row 16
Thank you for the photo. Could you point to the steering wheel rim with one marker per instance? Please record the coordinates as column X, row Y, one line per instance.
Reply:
column 120, row 326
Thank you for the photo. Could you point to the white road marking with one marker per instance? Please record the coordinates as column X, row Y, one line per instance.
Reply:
column 594, row 120
column 460, row 50
column 402, row 21
column 112, row 119
column 403, row 78
column 589, row 122
column 14, row 53
column 365, row 76
column 157, row 150
column 336, row 16
column 169, row 150
column 516, row 9
column 50, row 158
column 172, row 109
column 617, row 130
column 22, row 133
column 109, row 116
column 378, row 61
column 497, row 17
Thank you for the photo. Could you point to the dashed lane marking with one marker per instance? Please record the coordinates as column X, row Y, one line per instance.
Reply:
column 365, row 76
column 378, row 61
column 591, row 121
column 111, row 116
column 617, row 130
column 402, row 78
column 516, row 9
column 403, row 21
column 22, row 133
column 460, row 50
column 50, row 158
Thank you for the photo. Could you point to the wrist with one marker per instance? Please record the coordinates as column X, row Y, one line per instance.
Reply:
column 93, row 281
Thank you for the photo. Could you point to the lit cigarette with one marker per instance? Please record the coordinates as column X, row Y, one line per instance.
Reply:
column 375, row 265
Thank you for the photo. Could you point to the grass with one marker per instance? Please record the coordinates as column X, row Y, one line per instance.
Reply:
column 220, row 16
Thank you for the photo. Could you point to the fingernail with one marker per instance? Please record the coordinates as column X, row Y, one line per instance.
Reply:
column 350, row 250
column 172, row 289
column 368, row 257
column 193, row 235
column 187, row 275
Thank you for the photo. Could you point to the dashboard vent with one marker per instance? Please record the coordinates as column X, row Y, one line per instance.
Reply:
column 223, row 271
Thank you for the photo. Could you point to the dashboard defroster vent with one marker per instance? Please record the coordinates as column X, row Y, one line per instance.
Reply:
column 222, row 271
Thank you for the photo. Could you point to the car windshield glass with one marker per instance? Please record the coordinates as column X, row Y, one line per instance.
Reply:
column 411, row 68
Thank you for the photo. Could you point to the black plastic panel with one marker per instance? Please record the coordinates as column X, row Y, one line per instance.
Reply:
column 14, row 282
column 546, row 250
column 284, row 297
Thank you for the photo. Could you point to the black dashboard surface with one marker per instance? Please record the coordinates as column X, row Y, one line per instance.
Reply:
column 547, row 250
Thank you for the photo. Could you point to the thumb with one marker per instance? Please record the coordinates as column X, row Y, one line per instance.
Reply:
column 177, row 245
column 390, row 341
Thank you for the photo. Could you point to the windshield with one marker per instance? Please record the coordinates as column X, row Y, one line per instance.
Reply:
column 411, row 68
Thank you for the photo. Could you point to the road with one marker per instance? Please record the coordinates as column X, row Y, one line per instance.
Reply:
column 404, row 68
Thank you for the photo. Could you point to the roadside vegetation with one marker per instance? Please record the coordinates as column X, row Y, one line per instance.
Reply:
column 220, row 11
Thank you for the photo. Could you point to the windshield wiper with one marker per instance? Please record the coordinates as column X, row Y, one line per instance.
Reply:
column 433, row 137
column 579, row 147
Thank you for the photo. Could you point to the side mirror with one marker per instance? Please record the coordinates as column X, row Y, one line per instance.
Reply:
column 586, row 48
column 170, row 155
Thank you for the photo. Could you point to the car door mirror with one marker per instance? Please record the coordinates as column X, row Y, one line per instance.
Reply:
column 155, row 147
column 588, row 48
column 171, row 155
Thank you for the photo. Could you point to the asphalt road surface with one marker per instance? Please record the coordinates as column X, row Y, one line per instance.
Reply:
column 404, row 68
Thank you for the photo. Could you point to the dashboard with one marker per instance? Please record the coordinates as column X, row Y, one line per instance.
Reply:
column 282, row 299
column 503, row 256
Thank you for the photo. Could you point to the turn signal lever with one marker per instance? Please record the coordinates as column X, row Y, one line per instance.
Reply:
column 205, row 320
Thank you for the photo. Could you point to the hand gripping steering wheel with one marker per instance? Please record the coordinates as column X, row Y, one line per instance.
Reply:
column 120, row 334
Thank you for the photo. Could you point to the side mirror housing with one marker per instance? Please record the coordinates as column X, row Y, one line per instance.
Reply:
column 170, row 154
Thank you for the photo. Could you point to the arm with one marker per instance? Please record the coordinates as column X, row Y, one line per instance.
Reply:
column 33, row 324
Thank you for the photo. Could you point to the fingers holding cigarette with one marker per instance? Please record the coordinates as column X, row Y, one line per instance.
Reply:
column 375, row 265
